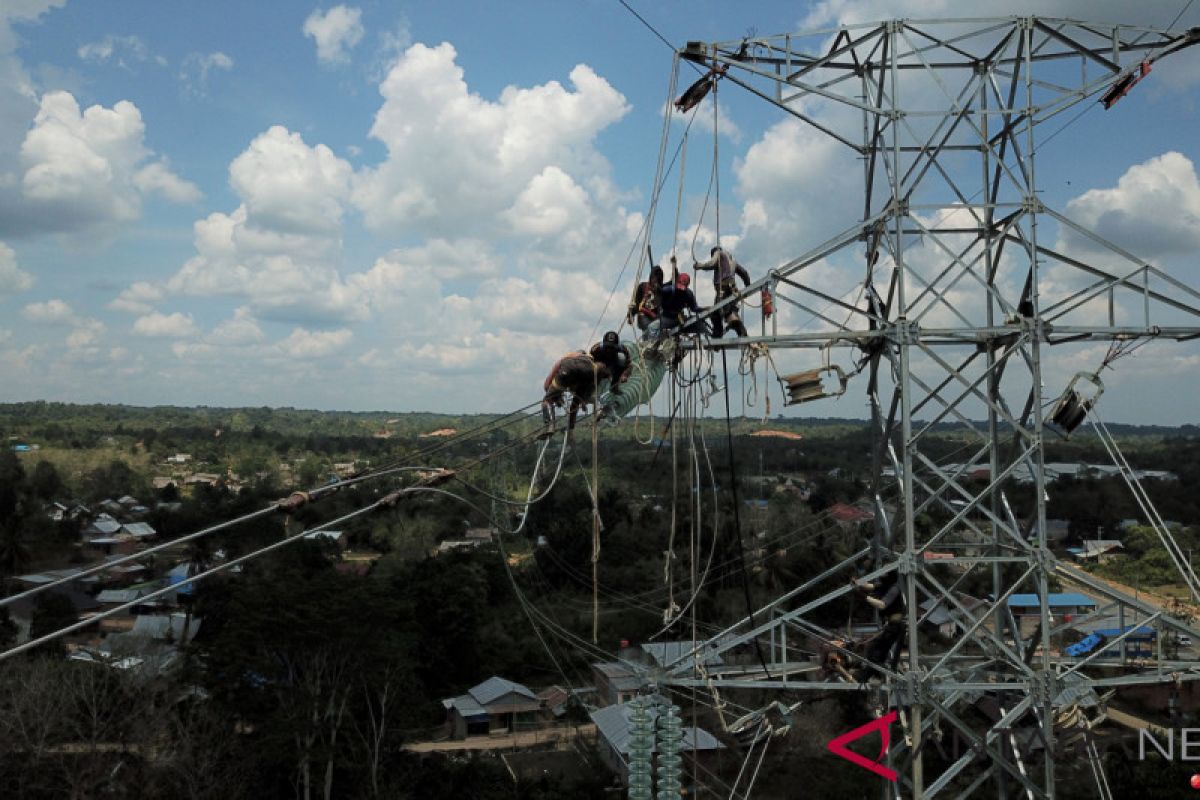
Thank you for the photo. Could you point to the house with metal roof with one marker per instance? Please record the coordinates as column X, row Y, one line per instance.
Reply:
column 336, row 538
column 669, row 653
column 494, row 706
column 102, row 525
column 616, row 682
column 139, row 530
column 1140, row 643
column 613, row 734
column 1063, row 607
column 74, row 581
column 117, row 597
column 1099, row 550
column 170, row 627
column 951, row 619
column 1058, row 602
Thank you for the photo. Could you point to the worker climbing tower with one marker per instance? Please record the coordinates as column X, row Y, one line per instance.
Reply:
column 969, row 281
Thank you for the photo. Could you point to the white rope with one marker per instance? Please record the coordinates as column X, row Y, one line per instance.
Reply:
column 537, row 468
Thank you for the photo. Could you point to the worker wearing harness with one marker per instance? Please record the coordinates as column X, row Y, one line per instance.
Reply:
column 885, row 595
column 578, row 374
column 676, row 299
column 615, row 357
column 724, row 268
column 646, row 304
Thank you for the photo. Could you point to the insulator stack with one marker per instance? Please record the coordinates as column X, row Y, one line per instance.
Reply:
column 670, row 764
column 641, row 746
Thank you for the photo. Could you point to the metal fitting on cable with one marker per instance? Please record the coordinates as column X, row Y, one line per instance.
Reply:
column 293, row 501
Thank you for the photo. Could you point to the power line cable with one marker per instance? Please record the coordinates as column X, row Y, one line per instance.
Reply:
column 1180, row 14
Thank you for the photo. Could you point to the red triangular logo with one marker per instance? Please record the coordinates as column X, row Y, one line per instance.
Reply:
column 883, row 725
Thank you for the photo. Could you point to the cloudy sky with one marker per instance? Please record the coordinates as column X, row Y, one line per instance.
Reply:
column 418, row 206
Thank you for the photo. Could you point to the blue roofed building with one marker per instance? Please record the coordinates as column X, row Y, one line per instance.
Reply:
column 1059, row 603
column 178, row 577
column 1064, row 606
column 1138, row 644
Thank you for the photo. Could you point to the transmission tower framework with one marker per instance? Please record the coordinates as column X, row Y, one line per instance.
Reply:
column 964, row 292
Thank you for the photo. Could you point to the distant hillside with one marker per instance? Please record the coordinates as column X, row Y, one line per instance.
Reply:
column 33, row 418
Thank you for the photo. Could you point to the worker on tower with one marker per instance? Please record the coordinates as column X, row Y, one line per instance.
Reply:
column 646, row 304
column 724, row 268
column 678, row 298
column 885, row 595
column 578, row 374
column 615, row 357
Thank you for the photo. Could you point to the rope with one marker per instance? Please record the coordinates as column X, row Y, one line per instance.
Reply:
column 670, row 554
column 737, row 515
column 595, row 520
column 679, row 199
column 716, row 161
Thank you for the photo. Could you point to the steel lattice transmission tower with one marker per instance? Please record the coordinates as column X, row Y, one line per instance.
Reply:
column 965, row 292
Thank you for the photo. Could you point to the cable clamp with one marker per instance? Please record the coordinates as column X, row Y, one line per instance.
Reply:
column 293, row 501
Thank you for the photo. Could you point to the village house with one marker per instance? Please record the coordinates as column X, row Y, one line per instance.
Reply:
column 492, row 707
column 848, row 516
column 949, row 619
column 102, row 525
column 336, row 538
column 119, row 544
column 1097, row 551
column 616, row 682
column 140, row 531
column 1063, row 607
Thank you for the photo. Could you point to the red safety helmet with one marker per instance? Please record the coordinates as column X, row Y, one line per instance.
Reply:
column 683, row 280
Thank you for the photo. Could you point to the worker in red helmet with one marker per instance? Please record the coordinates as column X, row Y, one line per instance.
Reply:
column 677, row 299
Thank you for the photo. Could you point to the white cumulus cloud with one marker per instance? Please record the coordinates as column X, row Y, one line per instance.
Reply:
column 157, row 178
column 138, row 298
column 88, row 167
column 165, row 326
column 12, row 278
column 303, row 343
column 86, row 334
column 289, row 187
column 50, row 312
column 456, row 160
column 241, row 329
column 549, row 204
column 336, row 32
column 1153, row 211
column 279, row 247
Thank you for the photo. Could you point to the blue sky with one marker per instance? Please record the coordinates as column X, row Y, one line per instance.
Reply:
column 418, row 206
